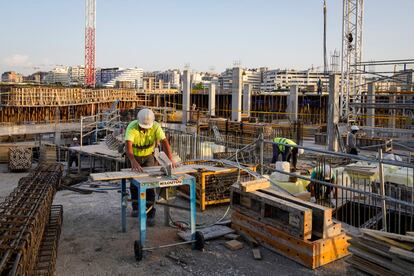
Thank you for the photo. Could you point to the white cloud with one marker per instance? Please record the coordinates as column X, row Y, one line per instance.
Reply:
column 17, row 60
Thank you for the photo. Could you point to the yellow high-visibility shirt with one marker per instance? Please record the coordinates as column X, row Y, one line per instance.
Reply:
column 283, row 141
column 143, row 143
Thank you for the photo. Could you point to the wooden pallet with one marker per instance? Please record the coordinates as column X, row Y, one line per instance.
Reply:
column 286, row 216
column 311, row 254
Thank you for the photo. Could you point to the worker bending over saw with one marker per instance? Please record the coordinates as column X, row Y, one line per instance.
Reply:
column 286, row 151
column 141, row 137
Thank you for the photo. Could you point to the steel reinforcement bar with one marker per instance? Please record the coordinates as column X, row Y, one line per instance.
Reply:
column 23, row 217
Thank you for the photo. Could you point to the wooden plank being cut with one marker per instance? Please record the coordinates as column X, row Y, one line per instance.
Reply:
column 254, row 185
column 127, row 174
column 322, row 224
column 286, row 216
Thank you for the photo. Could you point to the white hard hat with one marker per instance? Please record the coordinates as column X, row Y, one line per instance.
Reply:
column 146, row 118
column 354, row 127
column 75, row 139
column 301, row 151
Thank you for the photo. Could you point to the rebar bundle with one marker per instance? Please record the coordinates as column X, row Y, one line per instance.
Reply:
column 20, row 159
column 23, row 217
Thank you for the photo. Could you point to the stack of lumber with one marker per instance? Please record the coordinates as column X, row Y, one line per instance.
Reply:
column 297, row 229
column 20, row 159
column 382, row 253
column 47, row 153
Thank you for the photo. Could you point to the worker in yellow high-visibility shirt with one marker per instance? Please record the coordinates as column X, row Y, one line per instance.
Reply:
column 286, row 151
column 141, row 137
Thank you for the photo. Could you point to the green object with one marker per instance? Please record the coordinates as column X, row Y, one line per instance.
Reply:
column 283, row 141
column 143, row 143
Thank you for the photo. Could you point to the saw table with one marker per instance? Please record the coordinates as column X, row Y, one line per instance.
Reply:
column 150, row 180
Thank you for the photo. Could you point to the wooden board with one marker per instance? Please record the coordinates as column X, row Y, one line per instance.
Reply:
column 209, row 233
column 291, row 218
column 254, row 185
column 403, row 238
column 311, row 254
column 322, row 224
column 128, row 174
column 369, row 267
column 388, row 240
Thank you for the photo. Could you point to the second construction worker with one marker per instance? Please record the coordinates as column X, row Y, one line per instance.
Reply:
column 319, row 191
column 286, row 151
column 141, row 137
column 351, row 146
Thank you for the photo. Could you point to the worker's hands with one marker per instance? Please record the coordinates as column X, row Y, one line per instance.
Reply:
column 135, row 166
column 175, row 164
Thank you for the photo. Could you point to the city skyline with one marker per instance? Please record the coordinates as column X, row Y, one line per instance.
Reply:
column 153, row 36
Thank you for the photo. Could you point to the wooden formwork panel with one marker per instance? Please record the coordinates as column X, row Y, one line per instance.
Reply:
column 311, row 254
column 322, row 224
column 289, row 217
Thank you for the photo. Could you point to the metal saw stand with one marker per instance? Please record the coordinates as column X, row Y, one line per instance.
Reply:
column 154, row 182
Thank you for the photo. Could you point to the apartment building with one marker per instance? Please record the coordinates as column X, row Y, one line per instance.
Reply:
column 11, row 76
column 129, row 77
column 306, row 80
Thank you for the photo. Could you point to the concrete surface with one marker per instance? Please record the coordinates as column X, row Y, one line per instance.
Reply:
column 92, row 243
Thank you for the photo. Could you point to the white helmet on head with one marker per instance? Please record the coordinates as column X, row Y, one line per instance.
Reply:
column 146, row 118
column 326, row 170
column 301, row 151
column 75, row 139
column 354, row 127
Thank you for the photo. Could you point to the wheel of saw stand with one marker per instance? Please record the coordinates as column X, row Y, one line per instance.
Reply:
column 199, row 241
column 138, row 251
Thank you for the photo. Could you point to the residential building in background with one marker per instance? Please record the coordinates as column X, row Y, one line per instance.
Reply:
column 150, row 81
column 307, row 80
column 77, row 75
column 58, row 76
column 252, row 76
column 169, row 78
column 12, row 76
column 36, row 78
column 123, row 78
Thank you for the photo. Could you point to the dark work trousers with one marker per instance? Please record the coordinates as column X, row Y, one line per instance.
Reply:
column 353, row 151
column 73, row 158
column 286, row 154
column 144, row 161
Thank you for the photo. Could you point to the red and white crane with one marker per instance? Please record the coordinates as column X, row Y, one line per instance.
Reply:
column 90, row 27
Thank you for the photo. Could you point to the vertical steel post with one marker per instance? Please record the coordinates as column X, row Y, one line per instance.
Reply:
column 261, row 140
column 124, row 202
column 382, row 190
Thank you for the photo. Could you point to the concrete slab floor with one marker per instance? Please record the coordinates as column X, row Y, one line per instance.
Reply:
column 92, row 243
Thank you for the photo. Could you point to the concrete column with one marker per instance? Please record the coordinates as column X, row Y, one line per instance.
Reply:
column 292, row 108
column 247, row 102
column 370, row 121
column 333, row 112
column 186, row 96
column 392, row 113
column 236, row 95
column 212, row 99
column 58, row 138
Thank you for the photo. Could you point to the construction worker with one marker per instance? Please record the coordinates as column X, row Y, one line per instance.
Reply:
column 322, row 173
column 286, row 151
column 73, row 157
column 351, row 147
column 141, row 137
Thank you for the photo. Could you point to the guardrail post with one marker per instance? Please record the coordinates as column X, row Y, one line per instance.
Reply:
column 261, row 141
column 382, row 190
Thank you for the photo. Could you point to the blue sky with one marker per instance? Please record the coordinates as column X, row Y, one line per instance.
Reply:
column 157, row 35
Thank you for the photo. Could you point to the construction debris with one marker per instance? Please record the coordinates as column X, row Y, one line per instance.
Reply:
column 381, row 253
column 233, row 245
column 257, row 255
